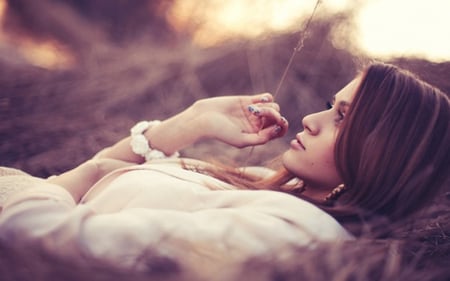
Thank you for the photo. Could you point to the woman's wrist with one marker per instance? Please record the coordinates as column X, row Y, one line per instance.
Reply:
column 141, row 144
column 174, row 134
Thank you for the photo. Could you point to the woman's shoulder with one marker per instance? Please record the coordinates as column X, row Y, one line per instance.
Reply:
column 305, row 215
column 296, row 212
column 258, row 171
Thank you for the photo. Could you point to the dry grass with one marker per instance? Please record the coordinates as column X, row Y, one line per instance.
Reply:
column 52, row 120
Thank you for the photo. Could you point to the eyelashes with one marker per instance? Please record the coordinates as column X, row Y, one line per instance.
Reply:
column 340, row 114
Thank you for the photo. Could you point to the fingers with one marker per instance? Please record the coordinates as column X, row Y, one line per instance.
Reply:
column 274, row 125
column 263, row 136
column 269, row 115
column 274, row 131
column 262, row 98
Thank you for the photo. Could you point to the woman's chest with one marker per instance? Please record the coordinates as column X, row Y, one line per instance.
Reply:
column 149, row 189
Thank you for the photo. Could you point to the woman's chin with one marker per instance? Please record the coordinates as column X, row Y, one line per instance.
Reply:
column 289, row 161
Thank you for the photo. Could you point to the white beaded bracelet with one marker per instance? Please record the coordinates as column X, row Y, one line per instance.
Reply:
column 140, row 145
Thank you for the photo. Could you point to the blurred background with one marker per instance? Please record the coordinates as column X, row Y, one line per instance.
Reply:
column 76, row 74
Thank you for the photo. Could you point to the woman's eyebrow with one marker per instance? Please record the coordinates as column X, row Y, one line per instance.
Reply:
column 341, row 103
column 344, row 103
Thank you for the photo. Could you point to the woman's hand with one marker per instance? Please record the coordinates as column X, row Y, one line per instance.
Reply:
column 236, row 120
column 241, row 120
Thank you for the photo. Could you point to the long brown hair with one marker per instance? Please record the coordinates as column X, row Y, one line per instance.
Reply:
column 392, row 150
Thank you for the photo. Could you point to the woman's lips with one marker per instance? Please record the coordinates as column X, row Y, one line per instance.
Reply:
column 297, row 144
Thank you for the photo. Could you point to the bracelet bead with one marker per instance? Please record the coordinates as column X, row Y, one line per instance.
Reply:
column 141, row 146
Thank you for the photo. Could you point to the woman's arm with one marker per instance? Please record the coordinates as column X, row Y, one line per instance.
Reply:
column 78, row 180
column 228, row 119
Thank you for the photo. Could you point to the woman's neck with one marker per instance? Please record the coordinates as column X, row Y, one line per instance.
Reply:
column 315, row 193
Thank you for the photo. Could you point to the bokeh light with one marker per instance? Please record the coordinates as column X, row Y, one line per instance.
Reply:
column 382, row 28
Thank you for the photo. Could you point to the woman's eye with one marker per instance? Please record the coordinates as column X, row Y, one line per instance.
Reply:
column 340, row 116
column 340, row 113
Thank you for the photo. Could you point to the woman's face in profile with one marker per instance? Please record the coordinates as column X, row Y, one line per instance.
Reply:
column 311, row 153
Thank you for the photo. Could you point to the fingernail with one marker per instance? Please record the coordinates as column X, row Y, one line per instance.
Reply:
column 253, row 109
column 264, row 99
column 277, row 129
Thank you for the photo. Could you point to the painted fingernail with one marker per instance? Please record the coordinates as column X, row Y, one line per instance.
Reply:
column 277, row 130
column 265, row 99
column 253, row 109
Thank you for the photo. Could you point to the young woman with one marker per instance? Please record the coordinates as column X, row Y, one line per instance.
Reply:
column 379, row 152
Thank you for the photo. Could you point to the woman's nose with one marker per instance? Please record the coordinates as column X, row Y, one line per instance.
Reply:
column 310, row 124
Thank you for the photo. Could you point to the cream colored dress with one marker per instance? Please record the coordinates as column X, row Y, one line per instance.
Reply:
column 162, row 209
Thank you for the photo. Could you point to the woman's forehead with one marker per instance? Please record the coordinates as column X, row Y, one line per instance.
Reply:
column 347, row 93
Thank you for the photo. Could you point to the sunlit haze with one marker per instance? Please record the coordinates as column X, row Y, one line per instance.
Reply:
column 406, row 27
column 45, row 53
column 215, row 20
column 384, row 28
